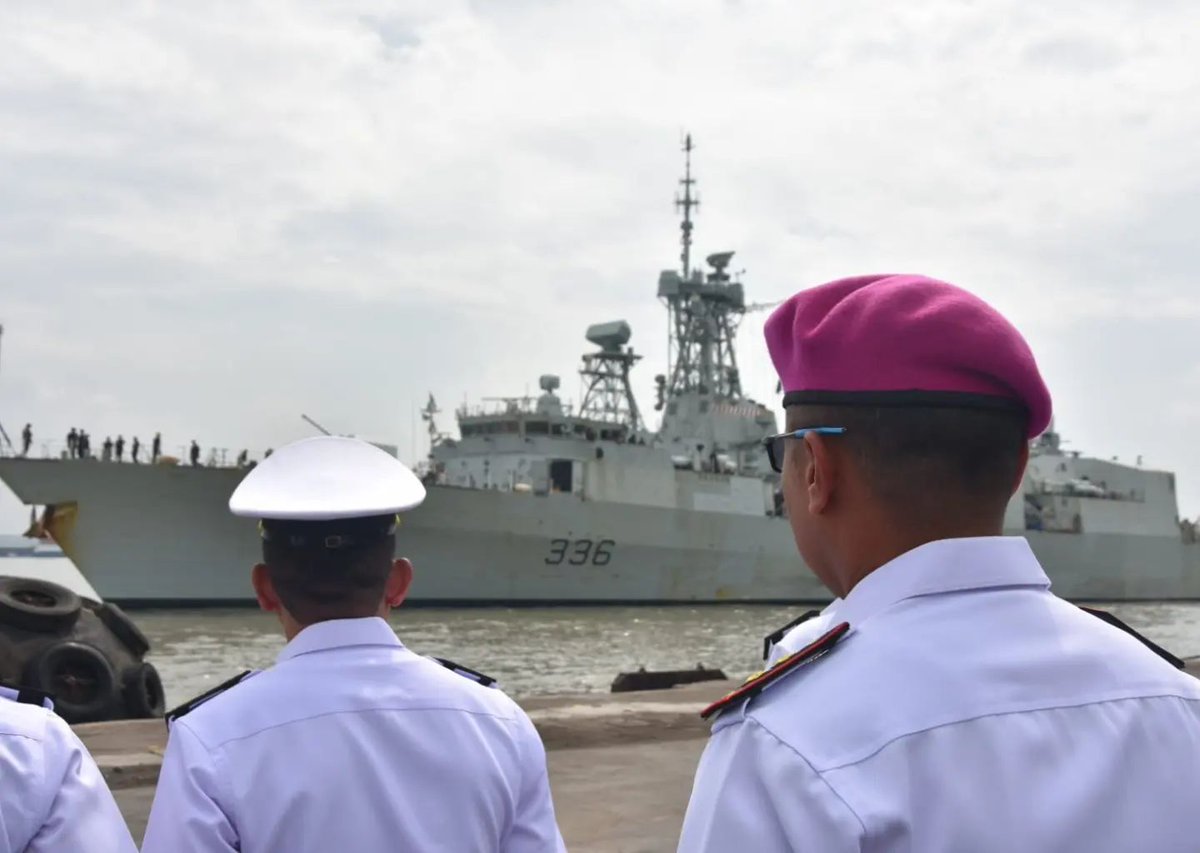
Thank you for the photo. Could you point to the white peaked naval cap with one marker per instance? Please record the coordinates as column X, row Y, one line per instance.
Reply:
column 325, row 478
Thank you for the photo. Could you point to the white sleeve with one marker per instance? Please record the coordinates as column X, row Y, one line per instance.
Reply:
column 534, row 829
column 754, row 792
column 83, row 814
column 187, row 816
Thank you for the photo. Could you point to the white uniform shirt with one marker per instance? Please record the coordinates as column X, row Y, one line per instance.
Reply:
column 351, row 742
column 967, row 709
column 52, row 796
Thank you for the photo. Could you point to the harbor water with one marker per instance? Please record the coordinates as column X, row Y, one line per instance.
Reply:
column 545, row 650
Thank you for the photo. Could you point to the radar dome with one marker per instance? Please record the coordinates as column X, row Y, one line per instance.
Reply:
column 610, row 336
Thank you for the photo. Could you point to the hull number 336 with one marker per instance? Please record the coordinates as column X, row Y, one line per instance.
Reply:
column 579, row 552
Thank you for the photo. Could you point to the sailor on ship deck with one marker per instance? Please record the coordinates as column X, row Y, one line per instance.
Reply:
column 947, row 700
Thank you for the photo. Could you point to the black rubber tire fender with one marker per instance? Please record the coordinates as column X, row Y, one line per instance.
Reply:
column 37, row 605
column 143, row 691
column 79, row 678
column 117, row 620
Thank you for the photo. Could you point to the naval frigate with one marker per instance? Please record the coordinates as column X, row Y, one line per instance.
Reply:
column 539, row 502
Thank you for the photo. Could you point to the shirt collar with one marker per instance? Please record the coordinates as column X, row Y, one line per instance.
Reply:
column 340, row 633
column 947, row 565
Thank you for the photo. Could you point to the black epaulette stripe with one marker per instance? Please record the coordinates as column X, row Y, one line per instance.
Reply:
column 1105, row 616
column 773, row 638
column 466, row 671
column 755, row 684
column 30, row 696
column 194, row 703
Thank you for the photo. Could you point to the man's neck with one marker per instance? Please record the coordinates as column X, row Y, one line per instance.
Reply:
column 881, row 550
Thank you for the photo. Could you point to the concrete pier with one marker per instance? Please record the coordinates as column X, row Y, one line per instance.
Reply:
column 621, row 765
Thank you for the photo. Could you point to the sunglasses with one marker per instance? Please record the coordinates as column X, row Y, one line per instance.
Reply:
column 775, row 443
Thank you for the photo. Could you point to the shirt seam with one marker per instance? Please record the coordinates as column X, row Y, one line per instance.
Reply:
column 963, row 720
column 215, row 745
column 817, row 773
column 224, row 800
column 284, row 656
column 23, row 736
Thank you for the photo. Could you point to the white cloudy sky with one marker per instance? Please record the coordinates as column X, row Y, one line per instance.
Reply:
column 215, row 216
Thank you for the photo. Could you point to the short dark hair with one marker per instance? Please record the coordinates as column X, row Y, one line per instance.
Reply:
column 920, row 461
column 316, row 582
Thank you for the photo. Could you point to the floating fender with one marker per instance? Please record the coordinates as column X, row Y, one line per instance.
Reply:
column 89, row 656
column 115, row 620
column 627, row 682
column 37, row 605
column 143, row 691
column 80, row 679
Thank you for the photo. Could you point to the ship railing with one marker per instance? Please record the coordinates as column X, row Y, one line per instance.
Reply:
column 1096, row 492
column 515, row 406
column 210, row 457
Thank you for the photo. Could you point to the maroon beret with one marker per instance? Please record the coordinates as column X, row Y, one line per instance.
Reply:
column 903, row 340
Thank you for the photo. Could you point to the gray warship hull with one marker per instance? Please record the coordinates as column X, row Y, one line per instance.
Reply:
column 162, row 536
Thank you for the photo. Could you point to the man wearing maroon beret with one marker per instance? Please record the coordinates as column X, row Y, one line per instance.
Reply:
column 947, row 700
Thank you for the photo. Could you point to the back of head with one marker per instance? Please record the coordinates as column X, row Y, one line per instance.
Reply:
column 328, row 510
column 923, row 463
column 330, row 570
column 933, row 395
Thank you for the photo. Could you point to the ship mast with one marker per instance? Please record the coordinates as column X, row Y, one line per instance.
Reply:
column 609, row 395
column 685, row 203
column 703, row 313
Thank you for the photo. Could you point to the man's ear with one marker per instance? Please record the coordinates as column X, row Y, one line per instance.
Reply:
column 820, row 472
column 264, row 589
column 399, row 580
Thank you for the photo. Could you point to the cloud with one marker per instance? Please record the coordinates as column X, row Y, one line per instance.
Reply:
column 213, row 217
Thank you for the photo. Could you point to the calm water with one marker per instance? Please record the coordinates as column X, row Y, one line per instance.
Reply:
column 553, row 650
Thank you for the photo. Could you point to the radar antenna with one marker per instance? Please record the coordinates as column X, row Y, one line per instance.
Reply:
column 609, row 396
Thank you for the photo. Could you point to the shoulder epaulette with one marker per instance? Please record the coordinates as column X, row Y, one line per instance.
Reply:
column 758, row 682
column 1105, row 616
column 192, row 704
column 774, row 637
column 26, row 696
column 466, row 672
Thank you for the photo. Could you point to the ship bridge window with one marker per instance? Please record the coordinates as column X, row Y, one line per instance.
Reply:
column 537, row 428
